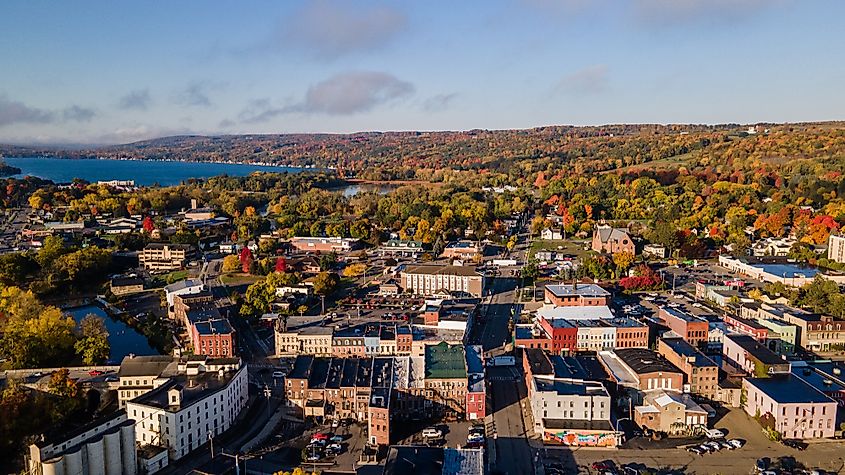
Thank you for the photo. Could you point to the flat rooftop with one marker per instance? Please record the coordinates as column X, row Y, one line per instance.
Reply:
column 642, row 360
column 444, row 361
column 755, row 349
column 683, row 348
column 680, row 314
column 538, row 361
column 564, row 387
column 789, row 389
column 582, row 290
column 594, row 312
column 463, row 271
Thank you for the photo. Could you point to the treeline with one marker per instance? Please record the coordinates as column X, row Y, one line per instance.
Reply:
column 407, row 155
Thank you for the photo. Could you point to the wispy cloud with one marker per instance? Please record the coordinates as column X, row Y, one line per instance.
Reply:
column 342, row 94
column 353, row 92
column 16, row 112
column 78, row 114
column 333, row 28
column 134, row 133
column 139, row 99
column 439, row 102
column 194, row 94
column 590, row 80
column 257, row 111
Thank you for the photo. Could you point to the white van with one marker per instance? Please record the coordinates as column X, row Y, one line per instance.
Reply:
column 431, row 433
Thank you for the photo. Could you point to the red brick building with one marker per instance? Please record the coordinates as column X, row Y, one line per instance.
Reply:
column 213, row 338
column 691, row 328
column 563, row 334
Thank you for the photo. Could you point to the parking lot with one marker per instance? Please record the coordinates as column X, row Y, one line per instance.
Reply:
column 824, row 454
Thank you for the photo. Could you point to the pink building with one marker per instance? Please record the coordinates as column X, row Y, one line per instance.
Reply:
column 797, row 409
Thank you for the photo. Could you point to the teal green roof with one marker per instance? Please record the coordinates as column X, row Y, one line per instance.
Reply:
column 445, row 361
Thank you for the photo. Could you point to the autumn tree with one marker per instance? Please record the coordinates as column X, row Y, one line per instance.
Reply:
column 246, row 260
column 622, row 261
column 33, row 335
column 324, row 284
column 148, row 224
column 354, row 270
column 93, row 343
column 231, row 263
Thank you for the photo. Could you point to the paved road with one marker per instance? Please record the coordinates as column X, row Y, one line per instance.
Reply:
column 513, row 455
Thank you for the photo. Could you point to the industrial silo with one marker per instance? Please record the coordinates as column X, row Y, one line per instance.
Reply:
column 96, row 459
column 127, row 444
column 112, row 452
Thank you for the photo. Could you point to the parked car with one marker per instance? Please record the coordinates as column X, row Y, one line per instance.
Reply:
column 336, row 439
column 95, row 372
column 278, row 374
column 336, row 448
column 714, row 434
column 432, row 433
column 795, row 444
column 737, row 443
column 762, row 464
column 694, row 450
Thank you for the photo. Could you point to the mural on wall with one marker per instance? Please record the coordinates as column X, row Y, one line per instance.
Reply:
column 601, row 439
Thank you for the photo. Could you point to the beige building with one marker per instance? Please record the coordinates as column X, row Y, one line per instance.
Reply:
column 315, row 341
column 433, row 279
column 670, row 412
column 164, row 257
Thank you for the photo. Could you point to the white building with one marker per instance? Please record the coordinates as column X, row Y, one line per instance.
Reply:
column 568, row 399
column 187, row 286
column 773, row 247
column 105, row 446
column 836, row 248
column 187, row 410
column 550, row 234
column 656, row 251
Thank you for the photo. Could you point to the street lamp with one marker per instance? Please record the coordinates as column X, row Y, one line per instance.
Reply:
column 236, row 456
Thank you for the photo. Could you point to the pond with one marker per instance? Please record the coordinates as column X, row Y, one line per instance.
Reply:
column 122, row 338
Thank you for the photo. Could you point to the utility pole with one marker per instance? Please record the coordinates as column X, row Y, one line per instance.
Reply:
column 211, row 443
column 267, row 393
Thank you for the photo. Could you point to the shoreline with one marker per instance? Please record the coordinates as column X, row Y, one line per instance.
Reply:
column 216, row 162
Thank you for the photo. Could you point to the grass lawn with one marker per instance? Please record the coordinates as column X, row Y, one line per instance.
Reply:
column 239, row 278
column 575, row 248
column 169, row 278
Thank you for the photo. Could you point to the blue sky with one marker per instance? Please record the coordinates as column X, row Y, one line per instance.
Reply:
column 114, row 72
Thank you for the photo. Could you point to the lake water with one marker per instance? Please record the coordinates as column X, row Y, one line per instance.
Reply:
column 122, row 338
column 143, row 172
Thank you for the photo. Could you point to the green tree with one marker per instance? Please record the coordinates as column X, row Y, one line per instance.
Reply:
column 324, row 284
column 93, row 344
column 33, row 335
column 51, row 249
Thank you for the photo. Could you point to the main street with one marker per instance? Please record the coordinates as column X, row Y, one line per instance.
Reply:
column 511, row 453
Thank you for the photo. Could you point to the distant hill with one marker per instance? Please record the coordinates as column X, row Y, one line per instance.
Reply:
column 391, row 155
